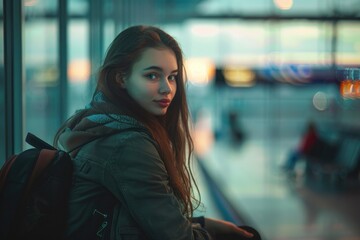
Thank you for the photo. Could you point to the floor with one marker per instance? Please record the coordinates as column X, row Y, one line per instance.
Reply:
column 279, row 205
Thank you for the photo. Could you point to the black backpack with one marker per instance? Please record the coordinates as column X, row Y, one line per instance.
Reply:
column 34, row 186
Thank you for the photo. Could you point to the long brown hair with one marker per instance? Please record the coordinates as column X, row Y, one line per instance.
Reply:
column 171, row 131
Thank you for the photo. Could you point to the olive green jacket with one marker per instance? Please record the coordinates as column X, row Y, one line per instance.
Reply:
column 121, row 187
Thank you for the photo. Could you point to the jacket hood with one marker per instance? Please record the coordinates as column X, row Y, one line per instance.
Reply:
column 96, row 125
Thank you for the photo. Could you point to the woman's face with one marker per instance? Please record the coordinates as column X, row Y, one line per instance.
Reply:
column 152, row 82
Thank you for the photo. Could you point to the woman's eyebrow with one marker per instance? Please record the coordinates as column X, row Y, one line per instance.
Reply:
column 158, row 69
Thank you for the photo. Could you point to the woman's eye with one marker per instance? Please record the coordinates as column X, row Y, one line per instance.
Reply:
column 152, row 76
column 172, row 77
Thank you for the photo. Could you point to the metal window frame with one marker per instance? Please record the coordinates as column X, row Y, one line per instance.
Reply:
column 13, row 82
column 96, row 38
column 63, row 59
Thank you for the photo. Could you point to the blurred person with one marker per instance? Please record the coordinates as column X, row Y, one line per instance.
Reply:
column 236, row 132
column 134, row 180
column 307, row 143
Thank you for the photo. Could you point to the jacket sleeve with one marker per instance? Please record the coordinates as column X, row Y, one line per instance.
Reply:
column 137, row 176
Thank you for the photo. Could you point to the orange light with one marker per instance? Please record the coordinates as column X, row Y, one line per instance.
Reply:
column 30, row 3
column 203, row 134
column 356, row 89
column 239, row 76
column 350, row 89
column 343, row 87
column 79, row 70
column 283, row 4
column 200, row 71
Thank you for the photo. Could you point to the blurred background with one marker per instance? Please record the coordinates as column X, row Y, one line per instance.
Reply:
column 259, row 71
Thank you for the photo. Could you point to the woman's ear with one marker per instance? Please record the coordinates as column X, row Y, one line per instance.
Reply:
column 120, row 79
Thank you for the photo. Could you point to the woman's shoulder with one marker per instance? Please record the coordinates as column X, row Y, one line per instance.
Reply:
column 132, row 148
column 129, row 133
column 120, row 149
column 130, row 136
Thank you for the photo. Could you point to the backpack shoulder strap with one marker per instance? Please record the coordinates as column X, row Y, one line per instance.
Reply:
column 46, row 156
column 37, row 142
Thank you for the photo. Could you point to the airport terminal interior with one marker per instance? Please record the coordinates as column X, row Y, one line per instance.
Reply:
column 259, row 73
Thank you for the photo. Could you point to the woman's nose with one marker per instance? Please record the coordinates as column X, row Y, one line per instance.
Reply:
column 165, row 87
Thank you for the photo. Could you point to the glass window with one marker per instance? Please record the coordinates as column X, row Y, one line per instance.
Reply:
column 40, row 57
column 303, row 7
column 79, row 65
column 258, row 43
column 348, row 43
column 278, row 7
column 212, row 7
column 78, row 7
column 347, row 7
column 243, row 43
column 109, row 34
column 301, row 42
column 225, row 41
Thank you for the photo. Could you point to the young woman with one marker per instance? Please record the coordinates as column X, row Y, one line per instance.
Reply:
column 132, row 146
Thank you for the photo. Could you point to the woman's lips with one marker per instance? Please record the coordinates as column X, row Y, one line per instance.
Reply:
column 163, row 102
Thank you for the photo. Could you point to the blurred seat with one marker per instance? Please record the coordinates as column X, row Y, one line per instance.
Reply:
column 335, row 165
